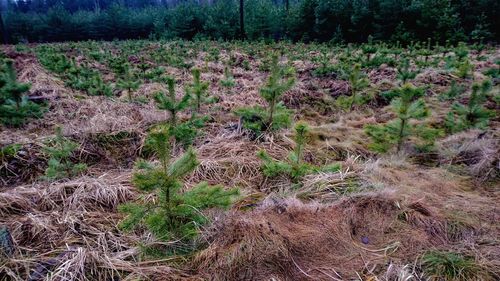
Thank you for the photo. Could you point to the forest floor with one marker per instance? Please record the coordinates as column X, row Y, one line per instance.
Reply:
column 373, row 220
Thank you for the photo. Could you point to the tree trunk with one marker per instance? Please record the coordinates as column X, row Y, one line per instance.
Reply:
column 401, row 136
column 271, row 114
column 3, row 32
column 97, row 7
column 353, row 100
column 287, row 5
column 242, row 20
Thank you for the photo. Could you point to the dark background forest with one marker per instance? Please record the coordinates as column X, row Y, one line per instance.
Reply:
column 336, row 21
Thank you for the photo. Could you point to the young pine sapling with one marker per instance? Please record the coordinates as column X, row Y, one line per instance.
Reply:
column 60, row 166
column 408, row 105
column 184, row 132
column 294, row 167
column 198, row 91
column 129, row 84
column 453, row 92
column 358, row 82
column 15, row 107
column 473, row 114
column 404, row 72
column 228, row 80
column 174, row 215
column 170, row 103
column 276, row 115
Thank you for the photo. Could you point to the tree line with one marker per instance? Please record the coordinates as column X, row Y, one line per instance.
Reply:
column 337, row 21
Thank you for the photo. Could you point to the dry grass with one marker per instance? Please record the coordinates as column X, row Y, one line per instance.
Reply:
column 477, row 151
column 288, row 240
column 69, row 229
column 356, row 236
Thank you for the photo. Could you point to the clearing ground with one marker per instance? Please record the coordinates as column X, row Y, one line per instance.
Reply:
column 373, row 220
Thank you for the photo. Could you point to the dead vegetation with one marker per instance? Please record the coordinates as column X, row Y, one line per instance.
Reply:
column 358, row 236
column 68, row 231
column 476, row 151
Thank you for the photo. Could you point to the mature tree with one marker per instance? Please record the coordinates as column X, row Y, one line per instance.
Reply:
column 3, row 33
column 242, row 19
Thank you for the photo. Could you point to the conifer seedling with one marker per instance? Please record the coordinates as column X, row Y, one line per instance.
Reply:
column 358, row 82
column 183, row 132
column 294, row 167
column 170, row 103
column 276, row 116
column 473, row 114
column 175, row 215
column 60, row 166
column 278, row 83
column 198, row 90
column 453, row 92
column 228, row 80
column 143, row 66
column 15, row 107
column 368, row 50
column 404, row 73
column 408, row 105
column 129, row 84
